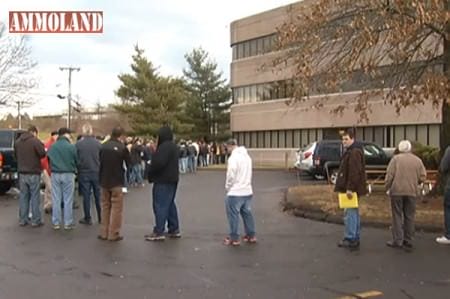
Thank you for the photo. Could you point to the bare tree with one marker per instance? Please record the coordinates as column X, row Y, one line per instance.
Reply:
column 16, row 66
column 397, row 49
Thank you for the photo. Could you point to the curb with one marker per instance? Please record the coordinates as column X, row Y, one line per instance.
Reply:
column 314, row 213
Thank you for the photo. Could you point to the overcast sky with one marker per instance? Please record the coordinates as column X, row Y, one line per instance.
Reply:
column 166, row 30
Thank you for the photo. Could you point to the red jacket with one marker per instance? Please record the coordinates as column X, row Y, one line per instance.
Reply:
column 44, row 161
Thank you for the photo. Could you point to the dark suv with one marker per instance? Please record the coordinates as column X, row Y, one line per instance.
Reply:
column 327, row 156
column 8, row 163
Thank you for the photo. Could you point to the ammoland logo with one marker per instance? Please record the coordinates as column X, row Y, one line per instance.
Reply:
column 56, row 21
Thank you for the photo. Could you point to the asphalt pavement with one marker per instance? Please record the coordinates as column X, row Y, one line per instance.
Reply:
column 295, row 257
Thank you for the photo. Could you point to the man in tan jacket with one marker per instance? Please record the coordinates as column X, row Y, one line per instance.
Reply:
column 405, row 173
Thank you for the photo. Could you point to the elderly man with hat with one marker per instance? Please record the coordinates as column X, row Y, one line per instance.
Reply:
column 404, row 174
column 63, row 164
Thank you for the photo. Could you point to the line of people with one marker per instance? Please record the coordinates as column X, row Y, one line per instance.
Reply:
column 101, row 169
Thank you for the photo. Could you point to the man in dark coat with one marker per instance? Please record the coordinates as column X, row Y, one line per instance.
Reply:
column 164, row 174
column 29, row 151
column 113, row 156
column 351, row 178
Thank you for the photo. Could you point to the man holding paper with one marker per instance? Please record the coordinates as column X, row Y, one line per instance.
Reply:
column 351, row 180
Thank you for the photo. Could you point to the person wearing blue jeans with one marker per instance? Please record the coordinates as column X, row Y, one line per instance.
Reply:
column 29, row 151
column 240, row 205
column 238, row 185
column 165, row 209
column 351, row 179
column 63, row 186
column 352, row 224
column 88, row 152
column 29, row 185
column 164, row 173
column 63, row 162
column 444, row 169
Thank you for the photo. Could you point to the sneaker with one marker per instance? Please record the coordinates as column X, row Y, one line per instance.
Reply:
column 174, row 235
column 250, row 240
column 154, row 237
column 56, row 226
column 344, row 243
column 23, row 223
column 69, row 227
column 443, row 240
column 37, row 224
column 85, row 221
column 394, row 245
column 227, row 241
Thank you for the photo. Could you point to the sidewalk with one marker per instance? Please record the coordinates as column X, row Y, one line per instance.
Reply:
column 319, row 202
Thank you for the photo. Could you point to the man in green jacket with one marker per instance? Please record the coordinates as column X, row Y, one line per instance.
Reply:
column 63, row 164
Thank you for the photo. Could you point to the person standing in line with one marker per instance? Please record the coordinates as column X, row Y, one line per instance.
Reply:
column 192, row 156
column 164, row 174
column 29, row 151
column 88, row 151
column 136, row 153
column 404, row 174
column 63, row 164
column 351, row 178
column 239, row 189
column 46, row 174
column 113, row 156
column 444, row 169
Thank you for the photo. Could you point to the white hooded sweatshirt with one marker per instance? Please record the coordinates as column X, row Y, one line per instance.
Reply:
column 239, row 173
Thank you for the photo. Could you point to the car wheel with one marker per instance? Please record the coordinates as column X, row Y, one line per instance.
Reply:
column 4, row 187
column 333, row 176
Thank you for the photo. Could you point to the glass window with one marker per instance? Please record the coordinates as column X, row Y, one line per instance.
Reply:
column 240, row 138
column 254, row 140
column 266, row 44
column 368, row 133
column 282, row 139
column 244, row 94
column 378, row 138
column 259, row 46
column 267, row 142
column 254, row 94
column 281, row 89
column 246, row 49
column 6, row 139
column 247, row 139
column 297, row 138
column 434, row 135
column 289, row 139
column 305, row 139
column 274, row 139
column 260, row 139
column 312, row 135
column 259, row 92
column 253, row 46
column 370, row 150
column 240, row 51
column 411, row 133
column 234, row 51
column 422, row 134
column 399, row 134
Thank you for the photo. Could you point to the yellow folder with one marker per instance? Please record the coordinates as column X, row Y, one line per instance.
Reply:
column 346, row 203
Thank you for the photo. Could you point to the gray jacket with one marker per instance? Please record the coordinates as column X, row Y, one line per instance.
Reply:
column 88, row 149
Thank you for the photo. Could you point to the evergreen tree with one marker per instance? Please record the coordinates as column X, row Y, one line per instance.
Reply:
column 209, row 102
column 149, row 99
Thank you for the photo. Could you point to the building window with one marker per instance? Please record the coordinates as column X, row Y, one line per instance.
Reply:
column 267, row 139
column 274, row 139
column 289, row 139
column 297, row 138
column 433, row 135
column 253, row 47
column 422, row 134
column 246, row 49
column 282, row 139
column 261, row 139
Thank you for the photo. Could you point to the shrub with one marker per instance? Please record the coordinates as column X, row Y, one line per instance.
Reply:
column 428, row 154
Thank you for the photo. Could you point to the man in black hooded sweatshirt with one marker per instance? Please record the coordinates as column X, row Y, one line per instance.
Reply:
column 164, row 174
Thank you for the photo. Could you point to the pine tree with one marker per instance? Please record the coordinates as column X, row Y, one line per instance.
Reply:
column 209, row 101
column 149, row 99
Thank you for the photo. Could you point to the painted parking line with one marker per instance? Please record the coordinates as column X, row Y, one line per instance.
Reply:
column 368, row 294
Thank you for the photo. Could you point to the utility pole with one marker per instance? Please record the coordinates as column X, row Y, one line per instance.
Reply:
column 19, row 115
column 69, row 95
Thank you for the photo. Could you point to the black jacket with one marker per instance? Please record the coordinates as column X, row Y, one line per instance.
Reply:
column 164, row 163
column 29, row 151
column 88, row 150
column 113, row 156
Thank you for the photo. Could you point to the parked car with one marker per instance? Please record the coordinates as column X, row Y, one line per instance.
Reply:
column 327, row 155
column 8, row 163
column 304, row 161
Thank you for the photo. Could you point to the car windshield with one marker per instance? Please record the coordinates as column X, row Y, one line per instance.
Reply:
column 372, row 150
column 6, row 140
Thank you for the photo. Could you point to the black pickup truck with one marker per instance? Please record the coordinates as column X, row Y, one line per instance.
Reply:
column 8, row 163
